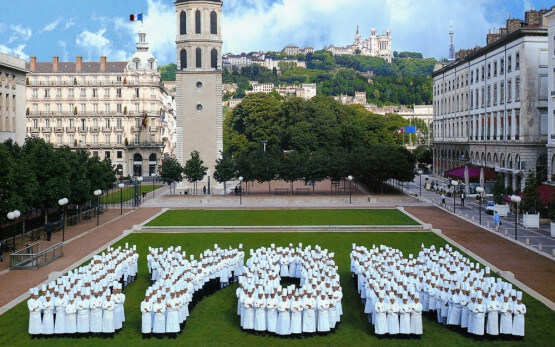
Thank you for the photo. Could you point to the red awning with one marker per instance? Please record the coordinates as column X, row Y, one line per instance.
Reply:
column 473, row 173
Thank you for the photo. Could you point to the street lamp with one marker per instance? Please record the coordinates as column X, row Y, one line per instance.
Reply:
column 454, row 184
column 63, row 203
column 240, row 190
column 153, row 175
column 419, row 172
column 516, row 199
column 11, row 216
column 480, row 192
column 265, row 143
column 97, row 193
column 120, row 186
column 140, row 180
column 350, row 178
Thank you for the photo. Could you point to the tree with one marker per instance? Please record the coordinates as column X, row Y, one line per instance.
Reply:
column 194, row 170
column 171, row 172
column 531, row 202
column 224, row 170
column 498, row 189
column 424, row 155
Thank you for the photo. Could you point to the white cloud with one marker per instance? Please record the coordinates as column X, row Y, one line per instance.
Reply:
column 17, row 51
column 63, row 47
column 51, row 26
column 19, row 33
column 69, row 24
column 94, row 43
column 269, row 25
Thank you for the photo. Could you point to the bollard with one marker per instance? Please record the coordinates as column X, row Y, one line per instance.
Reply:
column 473, row 218
column 506, row 232
column 466, row 216
column 540, row 247
column 527, row 242
column 553, row 252
column 488, row 225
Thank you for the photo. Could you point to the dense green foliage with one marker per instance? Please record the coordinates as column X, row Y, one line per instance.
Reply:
column 314, row 139
column 167, row 72
column 194, row 170
column 281, row 217
column 214, row 321
column 531, row 202
column 37, row 175
column 171, row 172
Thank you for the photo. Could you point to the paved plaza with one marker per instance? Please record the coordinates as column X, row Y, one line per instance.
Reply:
column 535, row 270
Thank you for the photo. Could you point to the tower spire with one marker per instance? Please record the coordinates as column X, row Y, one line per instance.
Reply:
column 451, row 43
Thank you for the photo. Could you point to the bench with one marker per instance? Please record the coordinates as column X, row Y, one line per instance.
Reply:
column 281, row 190
column 303, row 191
column 35, row 234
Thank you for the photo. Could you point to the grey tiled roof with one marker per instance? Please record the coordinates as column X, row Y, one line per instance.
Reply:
column 87, row 67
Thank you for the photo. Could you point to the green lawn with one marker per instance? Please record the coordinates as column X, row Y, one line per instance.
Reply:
column 127, row 192
column 214, row 322
column 281, row 217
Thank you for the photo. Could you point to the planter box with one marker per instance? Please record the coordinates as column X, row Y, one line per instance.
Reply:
column 531, row 220
column 502, row 209
column 552, row 229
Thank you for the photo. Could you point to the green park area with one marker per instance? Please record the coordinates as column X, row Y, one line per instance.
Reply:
column 282, row 217
column 214, row 321
column 126, row 194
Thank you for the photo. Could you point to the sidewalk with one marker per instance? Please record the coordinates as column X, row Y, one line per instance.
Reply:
column 471, row 212
column 82, row 239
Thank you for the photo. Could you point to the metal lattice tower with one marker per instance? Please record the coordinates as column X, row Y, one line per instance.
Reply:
column 451, row 43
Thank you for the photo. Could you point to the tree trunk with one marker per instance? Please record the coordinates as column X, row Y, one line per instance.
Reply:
column 225, row 188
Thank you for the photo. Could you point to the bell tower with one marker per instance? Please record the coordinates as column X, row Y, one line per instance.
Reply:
column 199, row 81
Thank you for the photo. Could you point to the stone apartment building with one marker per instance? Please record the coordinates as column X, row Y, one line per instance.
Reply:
column 12, row 98
column 490, row 105
column 550, row 17
column 112, row 108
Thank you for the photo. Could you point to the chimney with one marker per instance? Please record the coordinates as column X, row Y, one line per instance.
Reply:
column 55, row 64
column 103, row 64
column 33, row 64
column 492, row 37
column 534, row 18
column 513, row 25
column 78, row 64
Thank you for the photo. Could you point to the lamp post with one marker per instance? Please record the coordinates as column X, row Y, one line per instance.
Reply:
column 419, row 172
column 153, row 175
column 480, row 192
column 140, row 180
column 97, row 193
column 516, row 199
column 63, row 203
column 350, row 178
column 120, row 186
column 11, row 216
column 265, row 143
column 454, row 184
column 240, row 190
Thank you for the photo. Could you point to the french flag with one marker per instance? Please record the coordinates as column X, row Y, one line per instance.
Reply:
column 400, row 131
column 136, row 17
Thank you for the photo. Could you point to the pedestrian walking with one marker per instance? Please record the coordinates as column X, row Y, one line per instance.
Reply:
column 497, row 220
column 442, row 199
column 462, row 199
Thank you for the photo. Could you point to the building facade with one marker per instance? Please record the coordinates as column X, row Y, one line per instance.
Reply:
column 199, row 82
column 550, row 16
column 490, row 106
column 12, row 98
column 112, row 108
column 373, row 46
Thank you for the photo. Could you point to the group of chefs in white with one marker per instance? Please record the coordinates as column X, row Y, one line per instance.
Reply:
column 87, row 300
column 179, row 283
column 396, row 291
column 264, row 306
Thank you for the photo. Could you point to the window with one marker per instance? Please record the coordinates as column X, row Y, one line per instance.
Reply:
column 47, row 108
column 517, row 88
column 509, row 64
column 106, row 92
column 95, row 154
column 83, row 123
column 70, row 93
column 71, row 139
column 183, row 59
column 489, row 70
column 118, row 92
column 59, row 109
column 136, row 92
column 59, row 122
column 119, row 154
column 58, row 92
column 137, row 139
column 118, row 123
column 199, row 58
column 83, row 108
column 47, row 138
column 213, row 23
column 35, row 93
column 214, row 58
column 95, row 139
column 483, row 72
column 517, row 61
column 35, row 123
column 136, row 64
column 59, row 139
column 197, row 22
column 95, row 93
column 502, row 92
column 119, row 142
column 47, row 93
column 107, row 122
column 502, row 66
column 83, row 92
column 182, row 23
column 107, row 155
column 495, row 94
column 71, row 123
column 118, row 108
column 137, row 108
column 95, row 108
column 47, row 123
column 494, row 68
column 509, row 90
column 95, row 122
column 471, row 77
column 35, row 108
column 483, row 98
column 106, row 108
column 107, row 139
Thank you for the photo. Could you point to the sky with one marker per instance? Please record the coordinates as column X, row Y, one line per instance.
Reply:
column 70, row 28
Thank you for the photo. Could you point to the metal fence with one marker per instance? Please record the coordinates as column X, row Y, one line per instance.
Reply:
column 31, row 257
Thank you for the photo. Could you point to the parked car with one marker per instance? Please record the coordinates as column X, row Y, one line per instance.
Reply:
column 490, row 206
